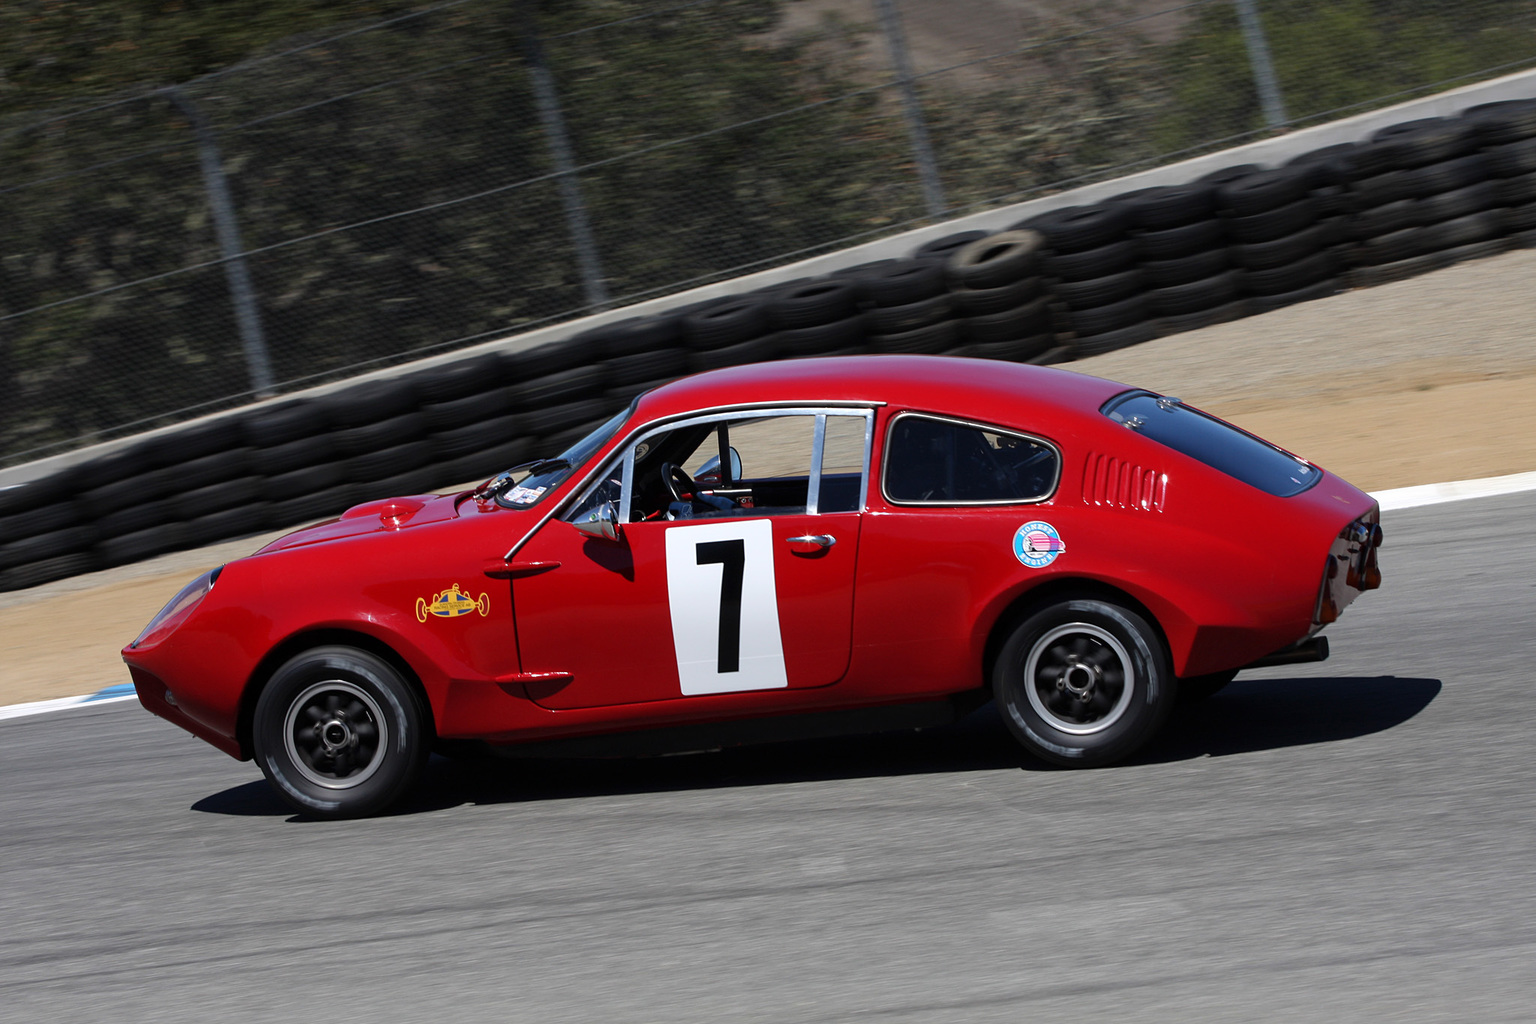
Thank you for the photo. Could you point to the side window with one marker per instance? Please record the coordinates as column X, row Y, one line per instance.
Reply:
column 945, row 462
column 842, row 464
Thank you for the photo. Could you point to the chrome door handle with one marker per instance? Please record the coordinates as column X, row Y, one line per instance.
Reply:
column 811, row 543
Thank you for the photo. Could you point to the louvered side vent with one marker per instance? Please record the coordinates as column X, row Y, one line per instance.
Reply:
column 1115, row 483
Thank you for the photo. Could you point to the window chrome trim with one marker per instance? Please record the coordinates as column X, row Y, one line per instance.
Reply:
column 595, row 475
column 885, row 462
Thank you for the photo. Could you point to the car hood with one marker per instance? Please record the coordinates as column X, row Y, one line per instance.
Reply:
column 388, row 515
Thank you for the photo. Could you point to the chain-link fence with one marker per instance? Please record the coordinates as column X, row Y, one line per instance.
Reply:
column 382, row 192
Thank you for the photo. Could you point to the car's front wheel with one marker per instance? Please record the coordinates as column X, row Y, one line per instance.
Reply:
column 339, row 733
column 1083, row 683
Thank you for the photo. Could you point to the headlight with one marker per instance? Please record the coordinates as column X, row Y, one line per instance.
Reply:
column 179, row 607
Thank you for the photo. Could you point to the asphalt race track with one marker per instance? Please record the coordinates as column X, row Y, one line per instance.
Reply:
column 1354, row 840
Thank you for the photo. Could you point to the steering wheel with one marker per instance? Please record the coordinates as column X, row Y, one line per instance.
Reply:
column 678, row 482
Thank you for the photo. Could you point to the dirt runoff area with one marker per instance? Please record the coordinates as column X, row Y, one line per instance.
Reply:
column 1416, row 382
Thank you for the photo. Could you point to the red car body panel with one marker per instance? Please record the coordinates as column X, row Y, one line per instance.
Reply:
column 901, row 608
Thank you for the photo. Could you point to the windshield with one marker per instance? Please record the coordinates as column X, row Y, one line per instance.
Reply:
column 547, row 474
column 1217, row 444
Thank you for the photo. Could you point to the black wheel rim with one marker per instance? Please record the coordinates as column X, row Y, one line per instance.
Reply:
column 336, row 734
column 1079, row 678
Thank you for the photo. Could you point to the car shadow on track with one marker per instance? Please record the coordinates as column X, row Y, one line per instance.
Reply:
column 1249, row 716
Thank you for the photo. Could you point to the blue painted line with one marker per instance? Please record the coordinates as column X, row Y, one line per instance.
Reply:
column 111, row 692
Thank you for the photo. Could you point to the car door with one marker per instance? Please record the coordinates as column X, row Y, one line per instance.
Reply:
column 745, row 586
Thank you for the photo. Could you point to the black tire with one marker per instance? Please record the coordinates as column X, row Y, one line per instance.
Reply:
column 1032, row 318
column 1390, row 248
column 1186, row 240
column 137, row 517
column 136, row 547
column 1100, row 262
column 1262, row 191
column 758, row 350
column 1397, row 270
column 1516, row 191
column 1014, row 350
column 1078, row 228
column 930, row 339
column 1512, row 158
column 1111, row 317
column 944, row 248
column 812, row 303
column 372, row 401
column 1225, row 175
column 1169, row 206
column 212, row 469
column 35, row 574
column 388, row 462
column 485, row 463
column 316, row 505
column 284, row 422
column 1193, row 296
column 1380, row 189
column 145, row 487
column 44, row 491
column 1459, row 202
column 1202, row 318
column 1477, row 250
column 1319, row 290
column 1162, row 273
column 1112, row 341
column 1474, row 227
column 553, row 420
column 995, row 260
column 978, row 301
column 1334, row 199
column 234, row 522
column 1083, row 683
column 900, row 282
column 284, row 458
column 195, row 442
column 1198, row 688
column 301, row 482
column 217, row 497
column 440, row 416
column 1329, row 165
column 1387, row 218
column 639, row 366
column 422, row 480
column 373, row 436
column 558, row 388
column 727, row 323
column 328, row 694
column 549, row 358
column 57, row 516
column 1291, row 276
column 1446, row 176
column 1280, row 251
column 459, row 378
column 1520, row 218
column 1426, row 141
column 637, row 334
column 1502, row 121
column 42, row 546
column 1276, row 223
column 895, row 319
column 473, row 437
column 1100, row 291
column 813, row 341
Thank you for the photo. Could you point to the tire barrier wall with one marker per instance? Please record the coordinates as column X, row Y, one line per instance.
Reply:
column 1073, row 281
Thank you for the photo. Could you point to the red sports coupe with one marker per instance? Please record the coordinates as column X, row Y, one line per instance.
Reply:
column 797, row 548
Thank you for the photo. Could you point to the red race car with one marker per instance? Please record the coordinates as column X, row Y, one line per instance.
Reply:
column 797, row 548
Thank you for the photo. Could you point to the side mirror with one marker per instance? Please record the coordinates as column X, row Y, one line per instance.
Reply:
column 709, row 473
column 602, row 521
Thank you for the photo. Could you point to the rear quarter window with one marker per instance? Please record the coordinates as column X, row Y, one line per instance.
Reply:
column 930, row 460
column 1219, row 445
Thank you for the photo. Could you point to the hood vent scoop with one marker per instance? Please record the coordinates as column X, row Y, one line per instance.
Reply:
column 1114, row 483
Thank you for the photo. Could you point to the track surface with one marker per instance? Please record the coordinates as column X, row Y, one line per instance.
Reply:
column 1351, row 840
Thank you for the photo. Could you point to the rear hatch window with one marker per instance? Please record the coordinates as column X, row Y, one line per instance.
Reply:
column 1217, row 444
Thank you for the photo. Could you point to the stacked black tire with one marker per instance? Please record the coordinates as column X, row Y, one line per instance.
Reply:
column 1091, row 265
column 999, row 296
column 1424, row 200
column 906, row 305
column 1182, row 257
column 1278, row 237
column 1506, row 133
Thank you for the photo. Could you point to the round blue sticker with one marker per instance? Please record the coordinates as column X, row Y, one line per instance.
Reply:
column 1037, row 544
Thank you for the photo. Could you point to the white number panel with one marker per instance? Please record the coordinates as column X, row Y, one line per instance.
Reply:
column 725, row 607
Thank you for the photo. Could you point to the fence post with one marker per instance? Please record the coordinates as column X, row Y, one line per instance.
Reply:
column 565, row 167
column 922, row 152
column 1263, row 69
column 241, row 293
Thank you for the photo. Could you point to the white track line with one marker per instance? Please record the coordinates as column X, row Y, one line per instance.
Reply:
column 1390, row 501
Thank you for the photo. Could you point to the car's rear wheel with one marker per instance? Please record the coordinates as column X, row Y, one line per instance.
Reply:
column 1083, row 683
column 339, row 733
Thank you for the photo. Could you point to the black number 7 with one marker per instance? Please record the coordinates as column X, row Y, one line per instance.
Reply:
column 731, row 555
